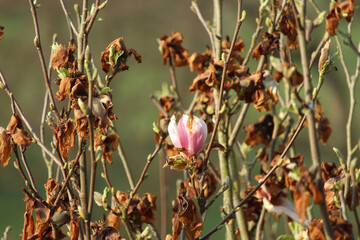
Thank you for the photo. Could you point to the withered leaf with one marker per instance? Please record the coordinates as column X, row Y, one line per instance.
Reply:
column 74, row 226
column 108, row 144
column 171, row 48
column 5, row 147
column 16, row 130
column 50, row 186
column 287, row 26
column 107, row 233
column 64, row 88
column 65, row 137
column 186, row 214
column 113, row 220
column 270, row 42
column 261, row 132
column 108, row 63
column 63, row 57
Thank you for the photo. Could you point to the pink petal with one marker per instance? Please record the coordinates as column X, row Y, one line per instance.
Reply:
column 183, row 133
column 197, row 135
column 173, row 133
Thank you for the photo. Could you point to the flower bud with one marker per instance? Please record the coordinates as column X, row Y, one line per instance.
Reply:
column 189, row 134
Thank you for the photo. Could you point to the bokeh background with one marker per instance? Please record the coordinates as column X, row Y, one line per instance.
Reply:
column 140, row 22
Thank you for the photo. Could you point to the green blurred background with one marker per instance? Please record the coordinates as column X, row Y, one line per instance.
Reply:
column 140, row 22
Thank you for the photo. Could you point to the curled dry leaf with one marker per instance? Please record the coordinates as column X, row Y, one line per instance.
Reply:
column 50, row 186
column 171, row 48
column 16, row 130
column 337, row 11
column 108, row 144
column 200, row 61
column 113, row 220
column 270, row 42
column 209, row 184
column 35, row 229
column 5, row 147
column 116, row 61
column 102, row 110
column 108, row 233
column 64, row 57
column 167, row 102
column 186, row 215
column 140, row 208
column 287, row 26
column 238, row 47
column 74, row 226
column 261, row 132
column 65, row 137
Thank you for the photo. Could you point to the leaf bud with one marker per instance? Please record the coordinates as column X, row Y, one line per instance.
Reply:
column 83, row 106
column 353, row 164
column 2, row 86
column 36, row 42
column 223, row 57
column 76, row 8
column 156, row 129
column 243, row 16
column 98, row 199
column 339, row 156
column 82, row 213
column 101, row 6
column 60, row 217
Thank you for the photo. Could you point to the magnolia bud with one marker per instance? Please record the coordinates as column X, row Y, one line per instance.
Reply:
column 189, row 134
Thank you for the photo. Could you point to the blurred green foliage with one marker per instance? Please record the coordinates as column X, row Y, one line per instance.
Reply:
column 140, row 22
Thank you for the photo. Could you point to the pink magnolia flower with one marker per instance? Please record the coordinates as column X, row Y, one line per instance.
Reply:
column 188, row 135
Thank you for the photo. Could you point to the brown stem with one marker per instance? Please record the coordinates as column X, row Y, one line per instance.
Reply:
column 37, row 43
column 33, row 191
column 93, row 17
column 75, row 163
column 31, row 178
column 158, row 106
column 149, row 160
column 174, row 83
column 69, row 20
column 196, row 10
column 48, row 163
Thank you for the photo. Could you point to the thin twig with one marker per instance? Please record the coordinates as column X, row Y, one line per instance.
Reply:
column 174, row 83
column 75, row 163
column 27, row 123
column 158, row 106
column 69, row 20
column 31, row 178
column 149, row 160
column 194, row 7
column 93, row 17
column 37, row 43
column 48, row 162
column 238, row 124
